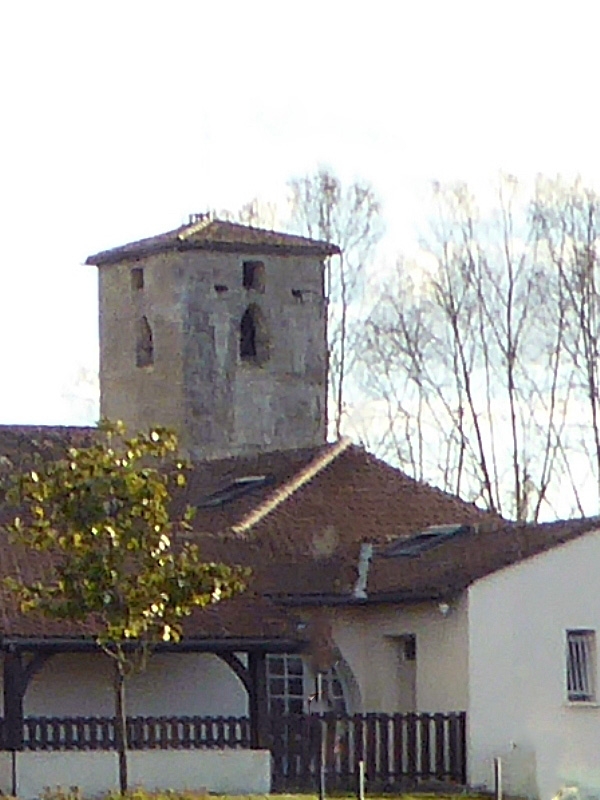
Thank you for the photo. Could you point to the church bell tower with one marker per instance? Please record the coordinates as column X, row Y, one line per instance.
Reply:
column 217, row 330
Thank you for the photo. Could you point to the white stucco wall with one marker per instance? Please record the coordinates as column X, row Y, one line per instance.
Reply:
column 6, row 772
column 172, row 684
column 368, row 640
column 219, row 771
column 517, row 672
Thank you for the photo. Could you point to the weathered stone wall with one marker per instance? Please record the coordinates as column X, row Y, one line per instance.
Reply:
column 198, row 383
column 141, row 396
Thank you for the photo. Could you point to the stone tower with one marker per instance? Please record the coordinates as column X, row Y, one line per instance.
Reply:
column 217, row 330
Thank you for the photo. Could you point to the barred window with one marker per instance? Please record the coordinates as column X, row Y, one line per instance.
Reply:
column 581, row 666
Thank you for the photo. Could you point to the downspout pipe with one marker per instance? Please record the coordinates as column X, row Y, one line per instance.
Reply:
column 364, row 560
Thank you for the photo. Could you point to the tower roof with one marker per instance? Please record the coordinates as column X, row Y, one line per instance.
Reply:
column 206, row 233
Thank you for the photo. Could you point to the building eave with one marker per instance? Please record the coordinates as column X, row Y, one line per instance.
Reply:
column 381, row 598
column 118, row 255
column 82, row 644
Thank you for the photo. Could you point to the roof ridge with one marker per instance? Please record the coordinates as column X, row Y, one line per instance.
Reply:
column 310, row 471
column 196, row 227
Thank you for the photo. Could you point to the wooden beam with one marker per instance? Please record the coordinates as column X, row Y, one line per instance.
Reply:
column 14, row 691
column 259, row 703
column 186, row 645
column 238, row 667
column 33, row 666
column 17, row 673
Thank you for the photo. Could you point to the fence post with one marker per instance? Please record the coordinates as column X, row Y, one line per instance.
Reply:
column 361, row 780
column 322, row 756
column 498, row 779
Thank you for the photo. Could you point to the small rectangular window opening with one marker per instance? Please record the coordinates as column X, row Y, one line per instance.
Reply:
column 409, row 648
column 137, row 279
column 581, row 666
column 254, row 276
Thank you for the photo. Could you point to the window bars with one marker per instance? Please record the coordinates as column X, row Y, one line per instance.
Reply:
column 581, row 666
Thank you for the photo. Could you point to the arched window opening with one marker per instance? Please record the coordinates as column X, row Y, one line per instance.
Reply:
column 247, row 336
column 254, row 338
column 144, row 345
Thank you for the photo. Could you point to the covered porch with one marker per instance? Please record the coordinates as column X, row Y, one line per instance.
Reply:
column 228, row 716
column 202, row 695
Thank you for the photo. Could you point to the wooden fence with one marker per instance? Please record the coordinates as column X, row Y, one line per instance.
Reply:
column 398, row 750
column 144, row 733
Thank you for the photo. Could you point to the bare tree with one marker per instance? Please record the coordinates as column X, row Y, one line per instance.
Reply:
column 470, row 358
column 567, row 220
column 255, row 213
column 481, row 372
column 323, row 208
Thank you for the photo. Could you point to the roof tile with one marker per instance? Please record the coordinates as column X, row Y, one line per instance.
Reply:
column 216, row 235
column 304, row 546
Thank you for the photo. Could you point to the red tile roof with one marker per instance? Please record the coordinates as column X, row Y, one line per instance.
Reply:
column 317, row 508
column 450, row 567
column 217, row 235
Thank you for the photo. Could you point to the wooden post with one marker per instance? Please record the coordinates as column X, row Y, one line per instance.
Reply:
column 322, row 755
column 498, row 779
column 14, row 689
column 361, row 780
column 258, row 701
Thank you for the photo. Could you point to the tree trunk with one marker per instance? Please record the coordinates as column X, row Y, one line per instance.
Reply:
column 121, row 726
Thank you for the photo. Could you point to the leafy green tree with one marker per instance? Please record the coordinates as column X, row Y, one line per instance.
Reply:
column 103, row 515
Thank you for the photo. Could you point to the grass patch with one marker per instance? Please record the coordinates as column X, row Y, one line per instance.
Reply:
column 139, row 794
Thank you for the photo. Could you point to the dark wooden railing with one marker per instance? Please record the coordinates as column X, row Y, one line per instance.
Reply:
column 144, row 733
column 398, row 750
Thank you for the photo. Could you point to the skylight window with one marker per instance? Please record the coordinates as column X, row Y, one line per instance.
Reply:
column 413, row 546
column 240, row 487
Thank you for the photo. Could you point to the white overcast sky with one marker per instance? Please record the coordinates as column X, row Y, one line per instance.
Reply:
column 120, row 118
